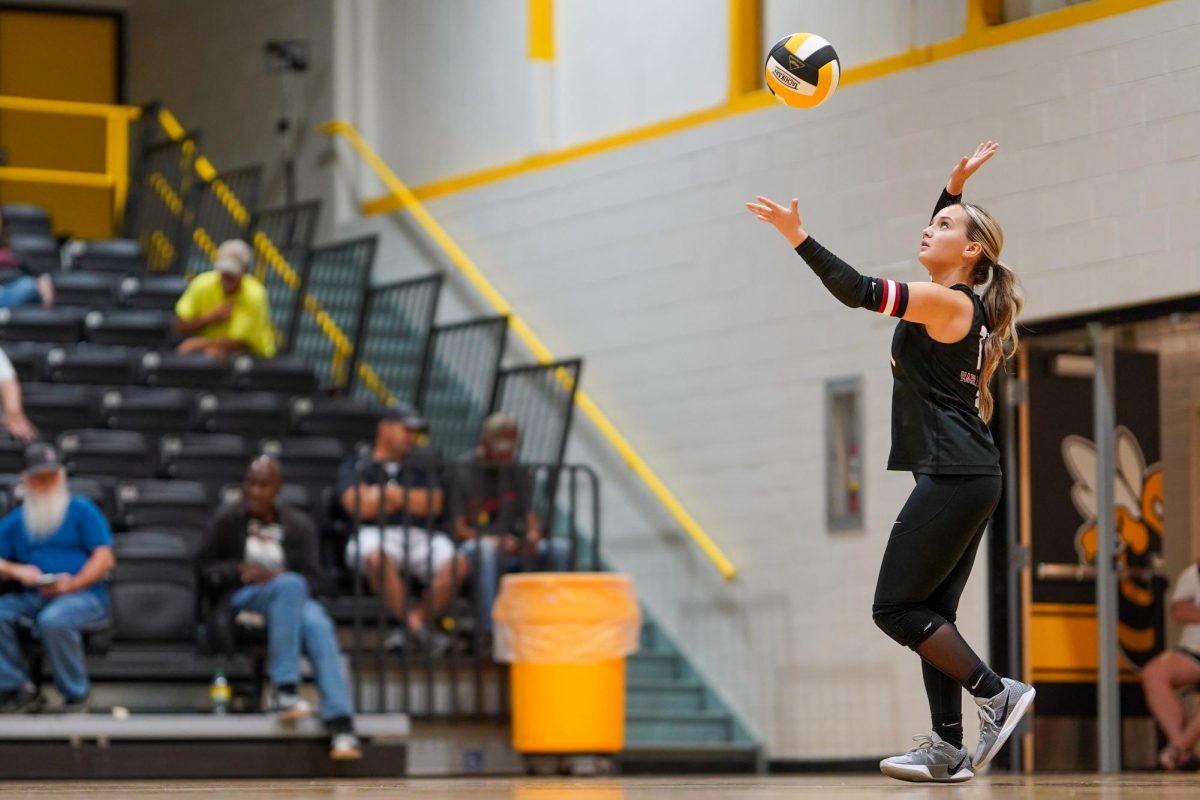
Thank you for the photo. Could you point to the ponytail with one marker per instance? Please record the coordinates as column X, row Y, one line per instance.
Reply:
column 1002, row 302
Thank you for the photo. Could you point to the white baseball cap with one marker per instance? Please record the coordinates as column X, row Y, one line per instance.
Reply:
column 233, row 257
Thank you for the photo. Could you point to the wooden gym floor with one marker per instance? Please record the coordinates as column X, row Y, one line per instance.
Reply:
column 1042, row 787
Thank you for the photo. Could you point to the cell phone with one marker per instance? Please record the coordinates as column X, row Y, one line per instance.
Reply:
column 47, row 579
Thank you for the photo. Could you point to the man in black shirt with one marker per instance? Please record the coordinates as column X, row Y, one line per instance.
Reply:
column 494, row 517
column 397, row 498
column 269, row 550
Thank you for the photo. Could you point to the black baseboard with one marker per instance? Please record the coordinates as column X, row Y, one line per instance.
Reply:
column 794, row 765
column 294, row 758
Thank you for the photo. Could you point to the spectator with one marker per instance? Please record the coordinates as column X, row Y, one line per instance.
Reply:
column 1174, row 669
column 225, row 311
column 494, row 517
column 399, row 495
column 24, row 288
column 269, row 551
column 15, row 421
column 59, row 548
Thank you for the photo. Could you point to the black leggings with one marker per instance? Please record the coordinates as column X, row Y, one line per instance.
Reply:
column 930, row 554
column 925, row 568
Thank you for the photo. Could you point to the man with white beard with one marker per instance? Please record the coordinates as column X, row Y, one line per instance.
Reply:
column 59, row 548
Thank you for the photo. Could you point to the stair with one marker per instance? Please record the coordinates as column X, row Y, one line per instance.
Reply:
column 673, row 720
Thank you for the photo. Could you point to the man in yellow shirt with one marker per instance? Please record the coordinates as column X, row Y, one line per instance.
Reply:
column 225, row 311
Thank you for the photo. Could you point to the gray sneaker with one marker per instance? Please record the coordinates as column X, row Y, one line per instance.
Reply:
column 998, row 717
column 933, row 760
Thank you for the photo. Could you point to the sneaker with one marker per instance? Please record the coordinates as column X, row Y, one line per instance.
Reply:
column 25, row 700
column 78, row 706
column 998, row 717
column 345, row 747
column 289, row 706
column 933, row 760
column 395, row 642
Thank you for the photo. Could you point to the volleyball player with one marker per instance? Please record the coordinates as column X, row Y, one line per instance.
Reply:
column 948, row 345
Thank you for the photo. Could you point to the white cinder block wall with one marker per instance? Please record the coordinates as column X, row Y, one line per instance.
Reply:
column 709, row 343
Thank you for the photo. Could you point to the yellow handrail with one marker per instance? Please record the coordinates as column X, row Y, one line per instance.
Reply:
column 406, row 200
column 342, row 347
column 116, row 148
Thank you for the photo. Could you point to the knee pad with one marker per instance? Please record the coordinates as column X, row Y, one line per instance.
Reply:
column 906, row 623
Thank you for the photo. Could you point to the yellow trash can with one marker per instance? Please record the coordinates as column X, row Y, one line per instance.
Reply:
column 567, row 635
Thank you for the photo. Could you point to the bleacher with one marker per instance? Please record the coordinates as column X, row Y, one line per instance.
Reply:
column 158, row 440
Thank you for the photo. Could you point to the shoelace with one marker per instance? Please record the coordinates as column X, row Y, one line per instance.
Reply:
column 987, row 715
column 923, row 743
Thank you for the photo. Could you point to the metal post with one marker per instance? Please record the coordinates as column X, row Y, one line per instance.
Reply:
column 1108, row 696
column 1014, row 396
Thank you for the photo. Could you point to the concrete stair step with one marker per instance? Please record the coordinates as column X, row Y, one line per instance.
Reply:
column 665, row 695
column 678, row 727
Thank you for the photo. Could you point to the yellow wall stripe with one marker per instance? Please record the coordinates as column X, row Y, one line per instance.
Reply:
column 541, row 30
column 970, row 41
column 745, row 47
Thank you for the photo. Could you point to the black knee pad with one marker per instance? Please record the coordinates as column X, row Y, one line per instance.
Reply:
column 907, row 623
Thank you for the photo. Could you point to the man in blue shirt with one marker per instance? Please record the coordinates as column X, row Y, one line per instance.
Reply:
column 58, row 547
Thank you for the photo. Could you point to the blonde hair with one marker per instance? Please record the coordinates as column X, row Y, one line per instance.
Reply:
column 1002, row 300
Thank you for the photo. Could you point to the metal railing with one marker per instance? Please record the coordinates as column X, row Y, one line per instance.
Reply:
column 282, row 240
column 458, row 380
column 115, row 176
column 393, row 335
column 444, row 668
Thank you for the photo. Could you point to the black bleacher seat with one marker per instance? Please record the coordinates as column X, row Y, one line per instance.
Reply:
column 293, row 494
column 119, row 256
column 135, row 327
column 245, row 413
column 35, row 324
column 310, row 460
column 12, row 454
column 86, row 289
column 116, row 454
column 56, row 407
column 38, row 251
column 213, row 459
column 153, row 503
column 288, row 374
column 348, row 420
column 188, row 372
column 89, row 363
column 165, row 537
column 152, row 291
column 28, row 359
column 25, row 218
column 153, row 588
column 153, row 411
column 93, row 488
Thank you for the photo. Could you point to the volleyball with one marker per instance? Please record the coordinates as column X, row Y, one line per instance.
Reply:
column 802, row 70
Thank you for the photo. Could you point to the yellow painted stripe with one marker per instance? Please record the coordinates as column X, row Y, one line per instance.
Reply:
column 745, row 47
column 972, row 40
column 541, row 30
column 531, row 341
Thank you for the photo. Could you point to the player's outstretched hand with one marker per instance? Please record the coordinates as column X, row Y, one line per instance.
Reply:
column 968, row 165
column 785, row 220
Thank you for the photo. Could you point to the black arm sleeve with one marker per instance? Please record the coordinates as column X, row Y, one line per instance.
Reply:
column 849, row 287
column 946, row 199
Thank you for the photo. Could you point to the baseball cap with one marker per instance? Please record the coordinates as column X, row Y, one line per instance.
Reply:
column 233, row 257
column 500, row 432
column 406, row 414
column 41, row 457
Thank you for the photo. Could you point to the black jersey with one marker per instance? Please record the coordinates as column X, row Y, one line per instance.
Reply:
column 936, row 427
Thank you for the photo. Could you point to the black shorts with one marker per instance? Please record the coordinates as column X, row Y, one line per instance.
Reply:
column 1192, row 654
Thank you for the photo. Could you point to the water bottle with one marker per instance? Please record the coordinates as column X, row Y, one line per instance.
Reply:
column 219, row 692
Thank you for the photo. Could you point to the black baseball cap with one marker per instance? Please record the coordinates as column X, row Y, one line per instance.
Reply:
column 406, row 414
column 41, row 457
